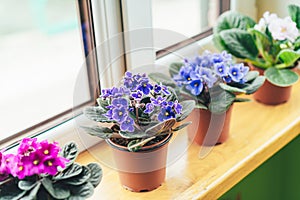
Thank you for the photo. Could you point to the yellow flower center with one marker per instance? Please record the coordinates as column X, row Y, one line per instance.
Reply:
column 220, row 69
column 120, row 113
column 50, row 163
column 283, row 29
column 145, row 85
column 166, row 113
column 21, row 168
column 35, row 162
column 188, row 78
column 46, row 152
column 234, row 73
column 196, row 84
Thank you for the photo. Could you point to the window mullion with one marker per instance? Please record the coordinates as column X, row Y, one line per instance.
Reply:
column 137, row 24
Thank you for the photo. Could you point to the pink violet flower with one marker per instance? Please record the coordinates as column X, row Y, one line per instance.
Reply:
column 33, row 158
column 10, row 162
column 27, row 145
column 49, row 149
column 50, row 165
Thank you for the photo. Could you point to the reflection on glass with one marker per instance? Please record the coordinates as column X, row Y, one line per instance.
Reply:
column 187, row 17
column 40, row 53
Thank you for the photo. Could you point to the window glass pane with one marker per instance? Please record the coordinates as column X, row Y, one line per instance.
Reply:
column 41, row 54
column 187, row 17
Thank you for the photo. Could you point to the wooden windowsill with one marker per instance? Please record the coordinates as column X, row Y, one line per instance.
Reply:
column 257, row 132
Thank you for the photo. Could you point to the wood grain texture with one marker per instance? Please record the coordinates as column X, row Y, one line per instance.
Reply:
column 257, row 132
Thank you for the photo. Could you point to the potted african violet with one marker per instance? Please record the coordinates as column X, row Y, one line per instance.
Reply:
column 140, row 119
column 272, row 47
column 41, row 170
column 213, row 81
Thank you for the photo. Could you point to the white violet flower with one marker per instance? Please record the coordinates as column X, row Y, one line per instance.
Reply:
column 282, row 29
column 269, row 17
column 265, row 21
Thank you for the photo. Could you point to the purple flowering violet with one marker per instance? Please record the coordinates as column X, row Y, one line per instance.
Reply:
column 210, row 70
column 138, row 98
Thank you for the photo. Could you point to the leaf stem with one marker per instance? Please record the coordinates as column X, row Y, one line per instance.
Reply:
column 280, row 66
column 258, row 64
column 137, row 115
column 6, row 181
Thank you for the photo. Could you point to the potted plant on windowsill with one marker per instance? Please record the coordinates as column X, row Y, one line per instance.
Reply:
column 213, row 81
column 41, row 170
column 141, row 118
column 272, row 46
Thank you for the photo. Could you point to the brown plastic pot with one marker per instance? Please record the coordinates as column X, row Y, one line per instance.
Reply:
column 209, row 128
column 144, row 170
column 269, row 93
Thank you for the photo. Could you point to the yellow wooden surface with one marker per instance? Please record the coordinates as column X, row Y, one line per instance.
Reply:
column 257, row 132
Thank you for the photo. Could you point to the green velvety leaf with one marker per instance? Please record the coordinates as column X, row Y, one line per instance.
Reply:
column 297, row 45
column 251, row 75
column 283, row 78
column 187, row 108
column 103, row 103
column 221, row 102
column 229, row 20
column 218, row 42
column 294, row 12
column 33, row 193
column 288, row 57
column 231, row 88
column 233, row 19
column 11, row 191
column 101, row 132
column 81, row 192
column 96, row 174
column 175, row 68
column 70, row 152
column 181, row 126
column 134, row 145
column 26, row 185
column 242, row 100
column 79, row 179
column 173, row 96
column 201, row 106
column 254, row 85
column 263, row 43
column 56, row 190
column 95, row 113
column 69, row 172
column 133, row 135
column 239, row 43
column 162, row 78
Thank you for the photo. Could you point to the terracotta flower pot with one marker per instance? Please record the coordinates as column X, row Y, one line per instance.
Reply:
column 269, row 93
column 144, row 170
column 207, row 128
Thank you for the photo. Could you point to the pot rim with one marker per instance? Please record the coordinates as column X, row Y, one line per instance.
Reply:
column 207, row 110
column 143, row 149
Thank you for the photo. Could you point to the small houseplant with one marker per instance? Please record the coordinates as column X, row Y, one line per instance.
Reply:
column 272, row 46
column 141, row 118
column 213, row 81
column 41, row 170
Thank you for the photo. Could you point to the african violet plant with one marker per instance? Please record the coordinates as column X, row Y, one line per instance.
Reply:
column 41, row 170
column 137, row 111
column 212, row 79
column 272, row 45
